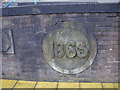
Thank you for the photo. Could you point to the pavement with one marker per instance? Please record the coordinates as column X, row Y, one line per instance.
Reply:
column 19, row 84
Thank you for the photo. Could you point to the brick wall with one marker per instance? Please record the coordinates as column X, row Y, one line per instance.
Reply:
column 28, row 62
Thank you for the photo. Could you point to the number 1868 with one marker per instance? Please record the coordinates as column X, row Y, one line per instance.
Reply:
column 70, row 49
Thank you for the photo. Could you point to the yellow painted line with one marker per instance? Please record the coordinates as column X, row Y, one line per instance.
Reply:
column 25, row 84
column 8, row 83
column 68, row 85
column 54, row 85
column 0, row 84
column 110, row 85
column 46, row 85
column 117, row 85
column 91, row 85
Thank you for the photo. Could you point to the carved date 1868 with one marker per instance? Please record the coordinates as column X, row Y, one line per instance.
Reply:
column 70, row 49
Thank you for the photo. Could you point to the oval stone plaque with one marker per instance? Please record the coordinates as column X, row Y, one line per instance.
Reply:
column 70, row 49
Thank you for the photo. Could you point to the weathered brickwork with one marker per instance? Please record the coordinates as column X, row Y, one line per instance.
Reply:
column 29, row 31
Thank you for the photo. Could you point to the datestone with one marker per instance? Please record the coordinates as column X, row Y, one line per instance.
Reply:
column 70, row 49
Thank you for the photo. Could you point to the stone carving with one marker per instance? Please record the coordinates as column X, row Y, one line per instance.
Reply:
column 7, row 42
column 69, row 50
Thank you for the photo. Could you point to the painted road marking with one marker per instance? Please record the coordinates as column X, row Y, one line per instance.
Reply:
column 68, row 85
column 25, row 84
column 46, row 85
column 8, row 83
